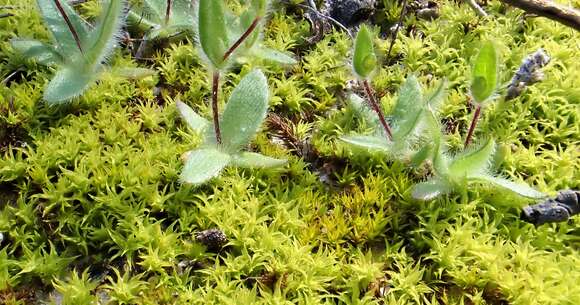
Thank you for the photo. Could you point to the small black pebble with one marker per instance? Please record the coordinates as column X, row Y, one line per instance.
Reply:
column 213, row 239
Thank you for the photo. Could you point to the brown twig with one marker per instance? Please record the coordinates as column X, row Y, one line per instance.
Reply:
column 560, row 13
column 399, row 25
column 168, row 12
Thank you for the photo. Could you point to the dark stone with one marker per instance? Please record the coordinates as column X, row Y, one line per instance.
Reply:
column 350, row 13
column 213, row 239
column 558, row 209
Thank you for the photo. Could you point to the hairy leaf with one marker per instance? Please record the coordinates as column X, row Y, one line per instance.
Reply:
column 103, row 39
column 274, row 56
column 436, row 99
column 473, row 162
column 65, row 41
column 430, row 189
column 204, row 164
column 254, row 160
column 67, row 84
column 194, row 120
column 484, row 77
column 364, row 59
column 40, row 52
column 368, row 142
column 518, row 188
column 245, row 111
column 212, row 31
column 408, row 113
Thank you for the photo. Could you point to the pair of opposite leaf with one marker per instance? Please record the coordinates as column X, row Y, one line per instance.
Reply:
column 240, row 121
column 78, row 50
column 162, row 18
column 218, row 30
column 415, row 120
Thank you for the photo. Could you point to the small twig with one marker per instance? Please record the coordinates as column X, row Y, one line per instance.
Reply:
column 319, row 14
column 399, row 25
column 473, row 125
column 478, row 10
column 377, row 108
column 6, row 15
column 214, row 106
column 69, row 24
column 11, row 75
column 563, row 14
column 242, row 38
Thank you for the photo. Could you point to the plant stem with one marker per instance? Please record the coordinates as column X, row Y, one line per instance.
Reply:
column 168, row 11
column 214, row 106
column 377, row 108
column 473, row 124
column 242, row 38
column 399, row 25
column 69, row 24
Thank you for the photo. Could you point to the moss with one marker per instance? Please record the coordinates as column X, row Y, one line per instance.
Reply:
column 91, row 206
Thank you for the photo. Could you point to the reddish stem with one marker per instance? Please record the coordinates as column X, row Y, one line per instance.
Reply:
column 168, row 11
column 69, row 24
column 214, row 106
column 375, row 106
column 473, row 124
column 242, row 38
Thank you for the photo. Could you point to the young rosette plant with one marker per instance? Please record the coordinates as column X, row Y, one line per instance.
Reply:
column 240, row 121
column 162, row 18
column 456, row 173
column 484, row 82
column 410, row 119
column 78, row 50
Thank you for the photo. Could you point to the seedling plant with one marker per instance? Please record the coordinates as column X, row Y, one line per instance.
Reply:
column 78, row 50
column 247, row 106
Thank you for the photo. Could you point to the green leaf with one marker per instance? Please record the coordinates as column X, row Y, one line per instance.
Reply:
column 359, row 106
column 212, row 31
column 254, row 160
column 364, row 59
column 421, row 155
column 474, row 161
column 274, row 56
column 245, row 111
column 67, row 84
column 484, row 76
column 430, row 189
column 102, row 40
column 203, row 164
column 42, row 53
column 408, row 113
column 135, row 73
column 436, row 99
column 65, row 41
column 368, row 142
column 181, row 14
column 194, row 120
column 518, row 188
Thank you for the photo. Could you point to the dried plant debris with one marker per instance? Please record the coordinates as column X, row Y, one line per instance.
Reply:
column 350, row 13
column 561, row 208
column 529, row 73
column 424, row 9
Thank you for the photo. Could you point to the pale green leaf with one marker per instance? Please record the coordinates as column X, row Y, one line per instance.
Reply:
column 424, row 153
column 364, row 58
column 274, row 56
column 485, row 70
column 103, row 38
column 67, row 84
column 65, row 41
column 193, row 120
column 518, row 188
column 429, row 190
column 254, row 160
column 203, row 164
column 135, row 73
column 408, row 114
column 368, row 142
column 437, row 97
column 212, row 31
column 42, row 53
column 474, row 161
column 245, row 111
